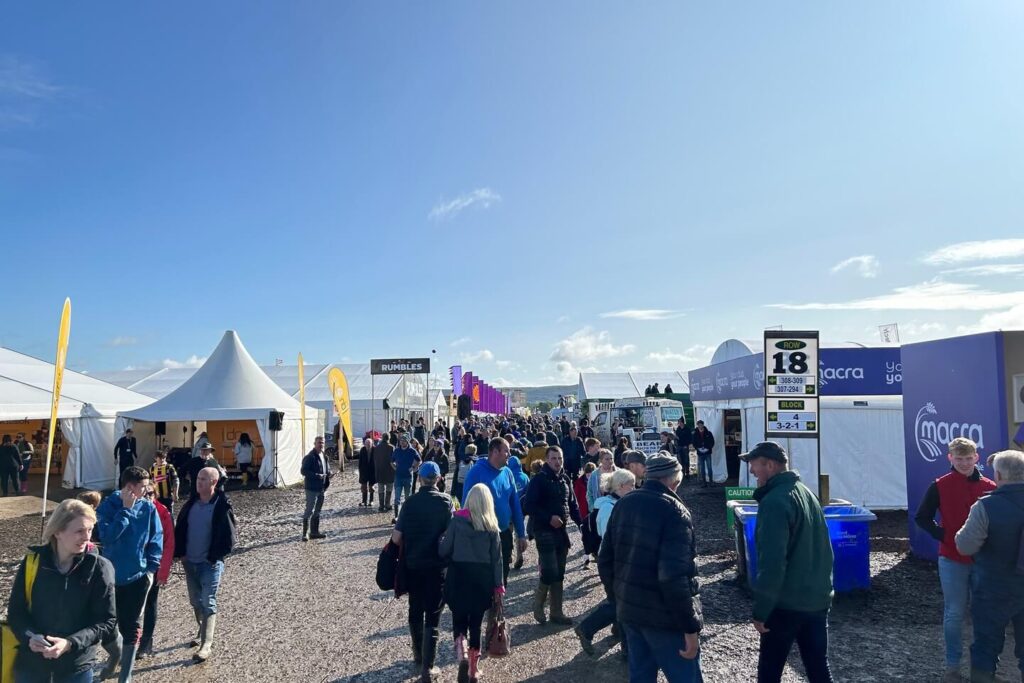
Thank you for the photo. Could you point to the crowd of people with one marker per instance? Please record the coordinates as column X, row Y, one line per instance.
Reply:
column 94, row 582
column 466, row 502
column 519, row 480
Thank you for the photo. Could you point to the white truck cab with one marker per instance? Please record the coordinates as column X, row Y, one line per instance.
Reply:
column 642, row 419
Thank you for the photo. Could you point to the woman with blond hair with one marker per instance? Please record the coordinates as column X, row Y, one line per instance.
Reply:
column 62, row 602
column 472, row 549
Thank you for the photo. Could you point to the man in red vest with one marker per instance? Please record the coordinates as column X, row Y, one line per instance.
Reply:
column 952, row 496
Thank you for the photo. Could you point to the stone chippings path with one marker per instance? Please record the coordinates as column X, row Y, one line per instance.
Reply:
column 292, row 611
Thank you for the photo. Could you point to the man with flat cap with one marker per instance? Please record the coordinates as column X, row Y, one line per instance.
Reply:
column 793, row 591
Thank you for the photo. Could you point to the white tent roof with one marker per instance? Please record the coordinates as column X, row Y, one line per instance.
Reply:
column 228, row 386
column 26, row 391
column 731, row 349
column 616, row 385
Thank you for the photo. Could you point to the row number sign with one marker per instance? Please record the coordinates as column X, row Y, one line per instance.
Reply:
column 791, row 384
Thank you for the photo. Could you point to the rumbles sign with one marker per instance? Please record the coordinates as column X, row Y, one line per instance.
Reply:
column 400, row 366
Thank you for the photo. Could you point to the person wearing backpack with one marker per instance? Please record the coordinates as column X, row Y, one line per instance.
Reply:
column 62, row 602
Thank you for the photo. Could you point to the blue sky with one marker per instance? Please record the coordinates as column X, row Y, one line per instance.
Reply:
column 529, row 188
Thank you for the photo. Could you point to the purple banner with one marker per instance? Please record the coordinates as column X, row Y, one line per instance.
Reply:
column 951, row 387
column 455, row 372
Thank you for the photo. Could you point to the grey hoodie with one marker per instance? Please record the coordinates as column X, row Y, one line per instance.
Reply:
column 463, row 543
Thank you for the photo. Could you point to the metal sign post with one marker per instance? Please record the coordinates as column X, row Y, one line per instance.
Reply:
column 791, row 398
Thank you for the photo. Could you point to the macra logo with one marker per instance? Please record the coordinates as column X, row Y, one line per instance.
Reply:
column 828, row 373
column 933, row 437
column 758, row 377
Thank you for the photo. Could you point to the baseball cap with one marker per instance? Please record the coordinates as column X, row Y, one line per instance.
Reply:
column 766, row 449
column 429, row 470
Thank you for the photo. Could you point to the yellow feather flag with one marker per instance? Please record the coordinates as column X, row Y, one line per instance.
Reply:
column 302, row 404
column 58, row 379
column 338, row 384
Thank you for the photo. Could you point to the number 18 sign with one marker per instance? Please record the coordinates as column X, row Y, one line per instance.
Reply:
column 791, row 383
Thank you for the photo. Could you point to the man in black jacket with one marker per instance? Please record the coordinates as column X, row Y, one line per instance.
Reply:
column 125, row 453
column 684, row 437
column 204, row 536
column 648, row 566
column 317, row 475
column 704, row 442
column 551, row 503
column 421, row 523
column 575, row 452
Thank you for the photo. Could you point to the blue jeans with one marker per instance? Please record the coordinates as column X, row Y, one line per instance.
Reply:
column 652, row 649
column 81, row 677
column 992, row 608
column 402, row 486
column 203, row 580
column 809, row 630
column 600, row 617
column 955, row 578
column 704, row 468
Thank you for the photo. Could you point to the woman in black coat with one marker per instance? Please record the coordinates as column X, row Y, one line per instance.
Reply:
column 72, row 601
column 367, row 472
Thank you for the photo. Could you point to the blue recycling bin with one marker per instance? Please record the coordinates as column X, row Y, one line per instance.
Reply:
column 847, row 530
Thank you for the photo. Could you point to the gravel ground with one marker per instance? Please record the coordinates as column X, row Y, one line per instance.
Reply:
column 292, row 611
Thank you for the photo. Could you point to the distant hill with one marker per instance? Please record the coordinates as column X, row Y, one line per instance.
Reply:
column 549, row 393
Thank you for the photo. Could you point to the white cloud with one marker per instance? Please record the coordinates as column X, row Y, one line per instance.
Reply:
column 698, row 353
column 503, row 363
column 460, row 341
column 582, row 346
column 867, row 265
column 124, row 341
column 23, row 89
column 192, row 361
column 982, row 250
column 643, row 314
column 587, row 345
column 562, row 319
column 482, row 354
column 934, row 295
column 447, row 209
column 921, row 331
column 1010, row 319
column 989, row 269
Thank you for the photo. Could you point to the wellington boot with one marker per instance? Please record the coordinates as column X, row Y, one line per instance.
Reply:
column 557, row 615
column 540, row 596
column 416, row 636
column 474, row 665
column 305, row 529
column 315, row 528
column 197, row 641
column 429, row 671
column 461, row 659
column 209, row 628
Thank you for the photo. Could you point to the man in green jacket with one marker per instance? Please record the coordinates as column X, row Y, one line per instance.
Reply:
column 793, row 591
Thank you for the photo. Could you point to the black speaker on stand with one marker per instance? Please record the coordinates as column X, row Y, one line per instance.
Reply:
column 276, row 423
column 465, row 407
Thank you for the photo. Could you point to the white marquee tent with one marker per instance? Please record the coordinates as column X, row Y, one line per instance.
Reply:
column 231, row 386
column 860, row 434
column 616, row 385
column 86, row 414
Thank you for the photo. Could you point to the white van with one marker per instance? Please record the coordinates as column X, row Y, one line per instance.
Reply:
column 642, row 419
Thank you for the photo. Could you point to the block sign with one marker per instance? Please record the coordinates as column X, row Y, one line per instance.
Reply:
column 787, row 417
column 791, row 363
column 400, row 366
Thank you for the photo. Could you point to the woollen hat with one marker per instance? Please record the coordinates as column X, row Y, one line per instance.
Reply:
column 662, row 465
column 430, row 470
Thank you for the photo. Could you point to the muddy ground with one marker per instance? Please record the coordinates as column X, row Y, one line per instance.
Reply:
column 292, row 611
